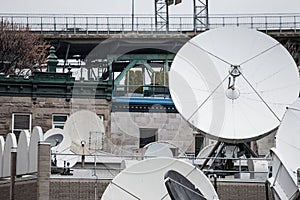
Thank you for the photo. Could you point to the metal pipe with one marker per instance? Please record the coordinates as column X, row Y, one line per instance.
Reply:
column 132, row 15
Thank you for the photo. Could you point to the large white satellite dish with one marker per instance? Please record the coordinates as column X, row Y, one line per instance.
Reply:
column 86, row 131
column 145, row 180
column 286, row 162
column 233, row 83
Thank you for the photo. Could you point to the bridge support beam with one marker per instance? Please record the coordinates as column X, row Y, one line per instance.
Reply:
column 201, row 19
column 161, row 15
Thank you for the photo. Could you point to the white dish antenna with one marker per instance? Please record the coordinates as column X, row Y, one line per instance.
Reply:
column 145, row 180
column 162, row 149
column 22, row 152
column 86, row 131
column 288, row 137
column 158, row 150
column 10, row 142
column 36, row 137
column 286, row 160
column 233, row 83
column 55, row 139
column 60, row 146
column 2, row 143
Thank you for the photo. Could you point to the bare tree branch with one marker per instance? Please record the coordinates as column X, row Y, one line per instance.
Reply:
column 20, row 49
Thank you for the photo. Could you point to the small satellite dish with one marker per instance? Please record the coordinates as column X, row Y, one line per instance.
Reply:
column 233, row 83
column 145, row 180
column 60, row 142
column 55, row 139
column 180, row 188
column 163, row 149
column 158, row 150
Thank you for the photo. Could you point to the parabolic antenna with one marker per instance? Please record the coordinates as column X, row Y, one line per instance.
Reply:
column 162, row 149
column 145, row 180
column 60, row 145
column 86, row 131
column 158, row 150
column 286, row 160
column 288, row 136
column 2, row 143
column 22, row 153
column 233, row 83
column 55, row 139
column 180, row 188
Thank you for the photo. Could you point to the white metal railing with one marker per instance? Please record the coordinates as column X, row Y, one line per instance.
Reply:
column 116, row 24
column 98, row 166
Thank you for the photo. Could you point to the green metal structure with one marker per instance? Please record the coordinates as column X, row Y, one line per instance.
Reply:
column 53, row 84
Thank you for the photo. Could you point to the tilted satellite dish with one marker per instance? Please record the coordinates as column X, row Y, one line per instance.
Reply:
column 86, row 131
column 180, row 188
column 60, row 146
column 284, row 181
column 10, row 142
column 55, row 139
column 233, row 84
column 145, row 180
column 22, row 153
column 36, row 137
column 2, row 143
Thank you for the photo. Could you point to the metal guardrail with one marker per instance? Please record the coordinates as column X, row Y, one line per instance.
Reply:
column 115, row 24
column 98, row 167
column 141, row 91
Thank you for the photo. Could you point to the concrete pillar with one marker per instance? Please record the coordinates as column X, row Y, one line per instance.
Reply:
column 13, row 167
column 44, row 171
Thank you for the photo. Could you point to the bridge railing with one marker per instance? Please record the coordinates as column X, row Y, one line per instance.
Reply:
column 114, row 24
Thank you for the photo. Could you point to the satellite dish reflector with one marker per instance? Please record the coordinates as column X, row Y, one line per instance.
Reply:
column 55, row 139
column 62, row 152
column 233, row 83
column 145, row 180
column 285, row 156
column 158, row 150
column 11, row 142
column 288, row 137
column 2, row 143
column 163, row 149
column 86, row 131
column 37, row 136
column 180, row 188
column 22, row 153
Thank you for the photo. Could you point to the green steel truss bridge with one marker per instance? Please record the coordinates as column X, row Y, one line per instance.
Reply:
column 75, row 36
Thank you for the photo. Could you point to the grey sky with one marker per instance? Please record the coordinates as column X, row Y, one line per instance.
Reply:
column 146, row 6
